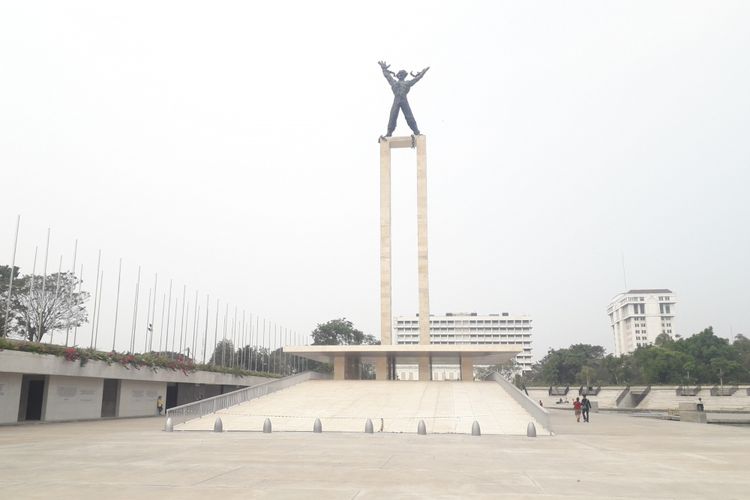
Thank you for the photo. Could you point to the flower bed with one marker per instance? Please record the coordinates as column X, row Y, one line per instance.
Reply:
column 152, row 360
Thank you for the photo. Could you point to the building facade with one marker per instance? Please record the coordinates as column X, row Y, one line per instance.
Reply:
column 465, row 328
column 637, row 317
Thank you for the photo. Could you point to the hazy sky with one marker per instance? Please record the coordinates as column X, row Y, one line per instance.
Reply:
column 232, row 147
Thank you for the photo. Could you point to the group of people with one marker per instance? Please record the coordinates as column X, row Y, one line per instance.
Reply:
column 582, row 407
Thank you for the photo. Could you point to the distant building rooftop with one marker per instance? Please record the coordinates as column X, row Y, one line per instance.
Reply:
column 650, row 290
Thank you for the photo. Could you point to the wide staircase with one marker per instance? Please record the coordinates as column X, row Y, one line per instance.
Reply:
column 345, row 406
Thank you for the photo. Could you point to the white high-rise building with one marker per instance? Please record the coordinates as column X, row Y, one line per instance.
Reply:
column 637, row 317
column 466, row 328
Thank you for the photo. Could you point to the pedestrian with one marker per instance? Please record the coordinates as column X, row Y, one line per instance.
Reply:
column 159, row 405
column 585, row 407
column 540, row 403
column 577, row 409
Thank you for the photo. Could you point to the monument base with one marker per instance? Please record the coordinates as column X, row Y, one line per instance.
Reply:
column 348, row 359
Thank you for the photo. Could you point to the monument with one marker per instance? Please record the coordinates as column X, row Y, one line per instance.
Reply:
column 347, row 360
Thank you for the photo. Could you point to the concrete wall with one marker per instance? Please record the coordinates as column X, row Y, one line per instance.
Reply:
column 138, row 398
column 10, row 395
column 75, row 392
column 47, row 364
column 72, row 398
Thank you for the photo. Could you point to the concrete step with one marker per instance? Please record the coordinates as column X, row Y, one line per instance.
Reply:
column 345, row 406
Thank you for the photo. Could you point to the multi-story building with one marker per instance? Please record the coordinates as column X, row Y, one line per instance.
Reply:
column 465, row 328
column 637, row 317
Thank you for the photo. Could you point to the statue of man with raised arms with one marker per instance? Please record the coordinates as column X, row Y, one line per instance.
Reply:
column 400, row 87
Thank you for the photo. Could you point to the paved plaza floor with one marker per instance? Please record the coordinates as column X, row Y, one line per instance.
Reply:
column 615, row 456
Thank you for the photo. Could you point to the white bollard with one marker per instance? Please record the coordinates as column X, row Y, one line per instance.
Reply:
column 317, row 426
column 267, row 426
column 475, row 430
column 421, row 428
column 218, row 425
column 531, row 430
column 368, row 426
column 168, row 427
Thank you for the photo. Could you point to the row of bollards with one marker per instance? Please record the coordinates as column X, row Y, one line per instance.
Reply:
column 318, row 427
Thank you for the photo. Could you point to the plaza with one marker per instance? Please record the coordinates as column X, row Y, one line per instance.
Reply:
column 615, row 456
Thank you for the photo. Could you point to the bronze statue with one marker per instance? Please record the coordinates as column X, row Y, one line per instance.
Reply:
column 401, row 87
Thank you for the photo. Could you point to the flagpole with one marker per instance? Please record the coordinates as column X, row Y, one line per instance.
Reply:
column 10, row 280
column 80, row 285
column 96, row 297
column 70, row 295
column 117, row 304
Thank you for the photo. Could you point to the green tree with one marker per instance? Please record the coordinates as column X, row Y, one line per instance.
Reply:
column 45, row 306
column 18, row 283
column 223, row 352
column 340, row 332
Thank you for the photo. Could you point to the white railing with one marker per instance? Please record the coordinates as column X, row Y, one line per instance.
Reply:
column 198, row 409
column 539, row 413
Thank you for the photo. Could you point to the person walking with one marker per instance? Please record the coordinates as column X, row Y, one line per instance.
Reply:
column 159, row 405
column 577, row 409
column 585, row 407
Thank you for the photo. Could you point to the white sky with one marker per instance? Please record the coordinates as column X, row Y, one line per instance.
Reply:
column 232, row 147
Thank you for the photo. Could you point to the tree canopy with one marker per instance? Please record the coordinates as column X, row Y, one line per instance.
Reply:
column 703, row 358
column 41, row 305
column 340, row 332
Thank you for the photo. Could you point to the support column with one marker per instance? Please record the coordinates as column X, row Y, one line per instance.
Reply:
column 467, row 368
column 386, row 318
column 424, row 283
column 339, row 367
column 425, row 368
column 381, row 368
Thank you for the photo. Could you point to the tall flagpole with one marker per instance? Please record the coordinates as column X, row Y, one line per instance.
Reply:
column 257, row 341
column 182, row 317
column 134, row 326
column 224, row 336
column 70, row 295
column 99, row 307
column 216, row 332
column 148, row 322
column 80, row 286
column 161, row 323
column 196, row 316
column 234, row 342
column 205, row 334
column 40, row 319
column 242, row 342
column 10, row 280
column 57, row 296
column 169, row 312
column 117, row 304
column 96, row 297
column 153, row 315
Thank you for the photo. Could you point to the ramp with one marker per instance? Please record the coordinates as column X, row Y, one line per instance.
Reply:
column 345, row 405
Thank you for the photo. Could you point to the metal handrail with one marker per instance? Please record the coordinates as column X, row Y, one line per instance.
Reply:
column 198, row 409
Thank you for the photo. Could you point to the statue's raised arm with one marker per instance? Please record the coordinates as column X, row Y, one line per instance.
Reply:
column 417, row 77
column 386, row 72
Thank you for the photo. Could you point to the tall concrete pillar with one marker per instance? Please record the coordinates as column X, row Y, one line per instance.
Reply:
column 424, row 282
column 386, row 317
